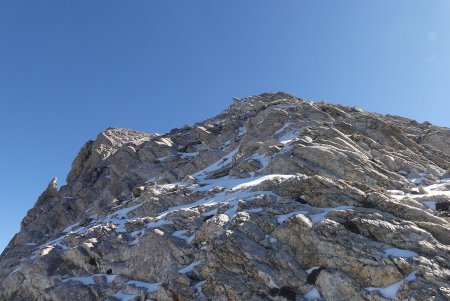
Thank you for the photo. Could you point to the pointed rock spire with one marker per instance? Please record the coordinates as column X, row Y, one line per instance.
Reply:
column 50, row 192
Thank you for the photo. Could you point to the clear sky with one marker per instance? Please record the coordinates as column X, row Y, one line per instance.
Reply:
column 69, row 69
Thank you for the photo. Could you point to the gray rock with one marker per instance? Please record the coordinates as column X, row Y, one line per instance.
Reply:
column 276, row 198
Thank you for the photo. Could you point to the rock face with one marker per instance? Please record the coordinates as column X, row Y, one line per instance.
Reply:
column 274, row 199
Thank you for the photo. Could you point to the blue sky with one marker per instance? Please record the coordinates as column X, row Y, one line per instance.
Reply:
column 69, row 69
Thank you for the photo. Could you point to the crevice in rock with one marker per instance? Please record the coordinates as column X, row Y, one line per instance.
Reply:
column 312, row 277
column 285, row 292
column 92, row 261
column 352, row 227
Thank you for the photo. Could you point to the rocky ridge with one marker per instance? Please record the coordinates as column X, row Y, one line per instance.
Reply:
column 276, row 198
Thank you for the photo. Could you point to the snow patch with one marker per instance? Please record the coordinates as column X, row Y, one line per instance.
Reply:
column 254, row 210
column 210, row 212
column 418, row 180
column 160, row 222
column 164, row 142
column 182, row 234
column 430, row 204
column 394, row 252
column 313, row 295
column 120, row 217
column 231, row 197
column 70, row 228
column 263, row 159
column 189, row 155
column 151, row 287
column 84, row 280
column 189, row 268
column 109, row 278
column 241, row 131
column 396, row 192
column 309, row 271
column 234, row 204
column 88, row 280
column 136, row 235
column 125, row 297
column 216, row 165
column 46, row 250
column 392, row 290
column 198, row 288
column 259, row 180
column 437, row 189
column 319, row 217
column 279, row 131
column 282, row 218
column 289, row 137
column 14, row 271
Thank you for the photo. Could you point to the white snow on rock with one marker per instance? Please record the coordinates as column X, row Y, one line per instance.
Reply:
column 286, row 135
column 430, row 204
column 160, row 222
column 309, row 271
column 394, row 252
column 136, row 235
column 263, row 159
column 239, row 183
column 70, row 228
column 120, row 217
column 189, row 155
column 84, row 280
column 254, row 210
column 313, row 295
column 198, row 288
column 418, row 180
column 217, row 165
column 189, row 268
column 437, row 189
column 149, row 286
column 14, row 271
column 46, row 250
column 88, row 280
column 241, row 131
column 109, row 278
column 210, row 212
column 396, row 192
column 125, row 297
column 211, row 200
column 392, row 290
column 164, row 142
column 182, row 234
column 282, row 129
column 289, row 137
column 282, row 218
column 320, row 216
column 259, row 180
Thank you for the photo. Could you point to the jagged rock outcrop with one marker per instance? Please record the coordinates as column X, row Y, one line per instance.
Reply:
column 276, row 198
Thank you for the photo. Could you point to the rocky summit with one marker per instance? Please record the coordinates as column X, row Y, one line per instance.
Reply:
column 276, row 198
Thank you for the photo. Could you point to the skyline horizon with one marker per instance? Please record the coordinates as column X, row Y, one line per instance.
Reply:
column 62, row 179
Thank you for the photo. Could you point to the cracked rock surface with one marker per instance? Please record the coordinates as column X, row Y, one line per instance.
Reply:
column 276, row 198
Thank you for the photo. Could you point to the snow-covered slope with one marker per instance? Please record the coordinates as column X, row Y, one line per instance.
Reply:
column 274, row 199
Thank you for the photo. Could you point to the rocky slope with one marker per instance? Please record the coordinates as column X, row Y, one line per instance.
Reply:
column 274, row 199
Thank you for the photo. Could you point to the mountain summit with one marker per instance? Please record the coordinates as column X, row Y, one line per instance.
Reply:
column 276, row 198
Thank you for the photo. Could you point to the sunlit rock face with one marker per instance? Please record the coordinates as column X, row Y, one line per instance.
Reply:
column 276, row 198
